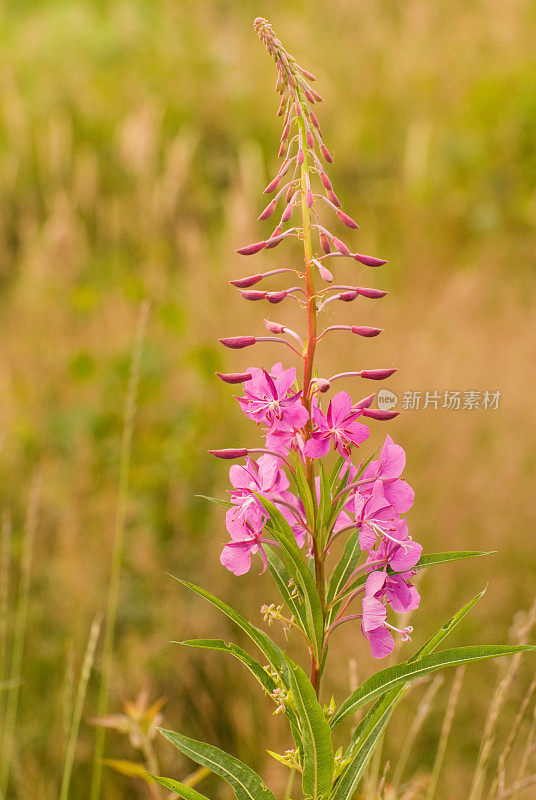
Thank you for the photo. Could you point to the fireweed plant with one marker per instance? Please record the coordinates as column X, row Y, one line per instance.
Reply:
column 292, row 499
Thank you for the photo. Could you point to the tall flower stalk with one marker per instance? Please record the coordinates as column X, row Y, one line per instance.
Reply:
column 294, row 497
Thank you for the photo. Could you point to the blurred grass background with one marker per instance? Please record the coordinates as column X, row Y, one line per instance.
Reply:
column 135, row 140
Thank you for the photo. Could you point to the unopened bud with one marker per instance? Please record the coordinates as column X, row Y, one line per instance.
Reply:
column 234, row 377
column 369, row 261
column 326, row 154
column 298, row 108
column 300, row 157
column 237, row 342
column 274, row 240
column 287, row 213
column 364, row 330
column 276, row 232
column 323, row 385
column 309, row 96
column 326, row 181
column 309, row 199
column 276, row 297
column 324, row 243
column 380, row 414
column 348, row 221
column 252, row 294
column 348, row 296
column 314, row 120
column 316, row 96
column 237, row 452
column 372, row 294
column 274, row 184
column 365, row 402
column 245, row 283
column 274, row 327
column 310, row 139
column 325, row 274
column 286, row 131
column 268, row 211
column 282, row 148
column 251, row 249
column 307, row 74
column 334, row 199
column 377, row 374
column 340, row 246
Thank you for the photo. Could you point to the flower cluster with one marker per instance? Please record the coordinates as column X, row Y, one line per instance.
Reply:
column 300, row 429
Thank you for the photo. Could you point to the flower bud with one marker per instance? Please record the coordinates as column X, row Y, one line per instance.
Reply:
column 334, row 199
column 309, row 199
column 286, row 131
column 234, row 377
column 348, row 296
column 274, row 184
column 252, row 294
column 310, row 139
column 300, row 158
column 323, row 385
column 276, row 297
column 377, row 374
column 268, row 211
column 369, row 261
column 365, row 402
column 380, row 414
column 316, row 96
column 287, row 213
column 326, row 181
column 237, row 342
column 324, row 243
column 276, row 231
column 282, row 148
column 340, row 246
column 245, row 283
column 348, row 221
column 274, row 327
column 238, row 452
column 307, row 74
column 314, row 120
column 251, row 249
column 326, row 154
column 274, row 239
column 372, row 294
column 364, row 330
column 309, row 96
column 325, row 274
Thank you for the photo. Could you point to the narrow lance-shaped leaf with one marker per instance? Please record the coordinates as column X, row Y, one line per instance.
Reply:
column 299, row 571
column 282, row 578
column 316, row 736
column 180, row 789
column 272, row 652
column 263, row 677
column 402, row 673
column 246, row 784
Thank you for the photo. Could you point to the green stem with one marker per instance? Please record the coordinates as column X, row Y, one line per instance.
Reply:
column 308, row 368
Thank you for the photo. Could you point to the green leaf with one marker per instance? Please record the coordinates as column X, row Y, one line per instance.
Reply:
column 246, row 784
column 272, row 652
column 447, row 628
column 433, row 559
column 264, row 678
column 179, row 788
column 304, row 492
column 299, row 572
column 324, row 509
column 318, row 760
column 367, row 736
column 345, row 567
column 402, row 673
column 281, row 576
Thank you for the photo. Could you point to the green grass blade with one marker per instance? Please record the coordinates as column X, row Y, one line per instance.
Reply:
column 179, row 788
column 246, row 784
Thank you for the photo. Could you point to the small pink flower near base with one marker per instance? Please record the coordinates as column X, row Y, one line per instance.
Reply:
column 339, row 426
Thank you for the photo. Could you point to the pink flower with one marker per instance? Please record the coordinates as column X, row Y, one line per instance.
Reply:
column 374, row 620
column 389, row 468
column 269, row 400
column 340, row 425
column 245, row 523
column 374, row 516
